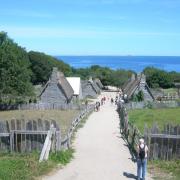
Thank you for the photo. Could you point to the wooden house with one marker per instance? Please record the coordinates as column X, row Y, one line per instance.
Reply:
column 89, row 89
column 135, row 85
column 57, row 90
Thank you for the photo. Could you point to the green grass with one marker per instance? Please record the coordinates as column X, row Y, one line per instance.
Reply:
column 22, row 167
column 170, row 91
column 63, row 157
column 27, row 166
column 165, row 170
column 140, row 117
column 63, row 117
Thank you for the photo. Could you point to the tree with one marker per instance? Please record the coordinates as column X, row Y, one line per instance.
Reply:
column 42, row 64
column 158, row 78
column 14, row 69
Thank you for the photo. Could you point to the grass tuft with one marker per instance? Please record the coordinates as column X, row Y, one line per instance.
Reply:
column 62, row 157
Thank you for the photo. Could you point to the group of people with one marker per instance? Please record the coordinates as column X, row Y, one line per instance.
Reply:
column 100, row 103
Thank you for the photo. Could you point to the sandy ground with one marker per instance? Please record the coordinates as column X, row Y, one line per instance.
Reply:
column 101, row 154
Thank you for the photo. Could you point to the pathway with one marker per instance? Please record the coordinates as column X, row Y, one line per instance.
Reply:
column 100, row 152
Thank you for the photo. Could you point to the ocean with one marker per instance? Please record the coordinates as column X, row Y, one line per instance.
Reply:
column 135, row 63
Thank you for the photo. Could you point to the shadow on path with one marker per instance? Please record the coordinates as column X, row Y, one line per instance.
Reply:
column 129, row 175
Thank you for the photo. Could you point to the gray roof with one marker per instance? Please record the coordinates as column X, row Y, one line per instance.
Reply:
column 64, row 84
column 90, row 82
column 61, row 81
column 96, row 87
column 131, row 86
column 98, row 82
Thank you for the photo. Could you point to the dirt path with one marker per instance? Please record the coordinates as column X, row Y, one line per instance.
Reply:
column 100, row 152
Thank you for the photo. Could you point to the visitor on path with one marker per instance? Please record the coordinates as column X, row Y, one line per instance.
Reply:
column 97, row 106
column 112, row 101
column 102, row 101
column 142, row 151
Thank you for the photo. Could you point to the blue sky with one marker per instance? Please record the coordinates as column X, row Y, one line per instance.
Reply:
column 94, row 27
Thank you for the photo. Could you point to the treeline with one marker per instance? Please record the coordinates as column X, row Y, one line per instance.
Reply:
column 105, row 74
column 157, row 78
column 20, row 70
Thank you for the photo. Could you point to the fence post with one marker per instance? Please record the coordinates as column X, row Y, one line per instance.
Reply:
column 11, row 141
column 58, row 140
column 47, row 145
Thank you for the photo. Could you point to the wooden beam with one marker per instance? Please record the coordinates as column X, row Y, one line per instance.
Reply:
column 4, row 134
column 168, row 136
column 29, row 132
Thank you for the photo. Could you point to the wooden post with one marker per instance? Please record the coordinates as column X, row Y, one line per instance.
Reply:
column 47, row 145
column 58, row 140
column 11, row 141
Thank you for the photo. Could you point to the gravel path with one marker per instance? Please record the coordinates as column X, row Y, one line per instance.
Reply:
column 101, row 154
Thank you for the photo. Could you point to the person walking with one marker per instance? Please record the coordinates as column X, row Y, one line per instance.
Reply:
column 142, row 153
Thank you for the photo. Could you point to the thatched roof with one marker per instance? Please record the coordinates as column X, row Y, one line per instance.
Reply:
column 64, row 84
column 61, row 81
column 134, row 83
column 90, row 82
column 95, row 86
column 98, row 82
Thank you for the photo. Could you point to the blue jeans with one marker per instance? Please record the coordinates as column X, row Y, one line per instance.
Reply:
column 141, row 168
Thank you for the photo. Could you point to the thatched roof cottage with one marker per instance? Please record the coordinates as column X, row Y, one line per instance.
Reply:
column 57, row 90
column 135, row 85
column 89, row 89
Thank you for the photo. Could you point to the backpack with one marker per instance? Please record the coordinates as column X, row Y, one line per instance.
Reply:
column 142, row 152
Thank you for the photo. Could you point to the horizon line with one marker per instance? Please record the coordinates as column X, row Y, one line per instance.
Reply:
column 117, row 55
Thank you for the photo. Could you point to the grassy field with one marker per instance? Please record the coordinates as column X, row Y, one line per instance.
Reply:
column 140, row 117
column 64, row 118
column 170, row 91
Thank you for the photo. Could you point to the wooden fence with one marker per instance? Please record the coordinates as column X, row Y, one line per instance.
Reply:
column 155, row 104
column 162, row 144
column 41, row 106
column 27, row 136
column 24, row 136
column 130, row 132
